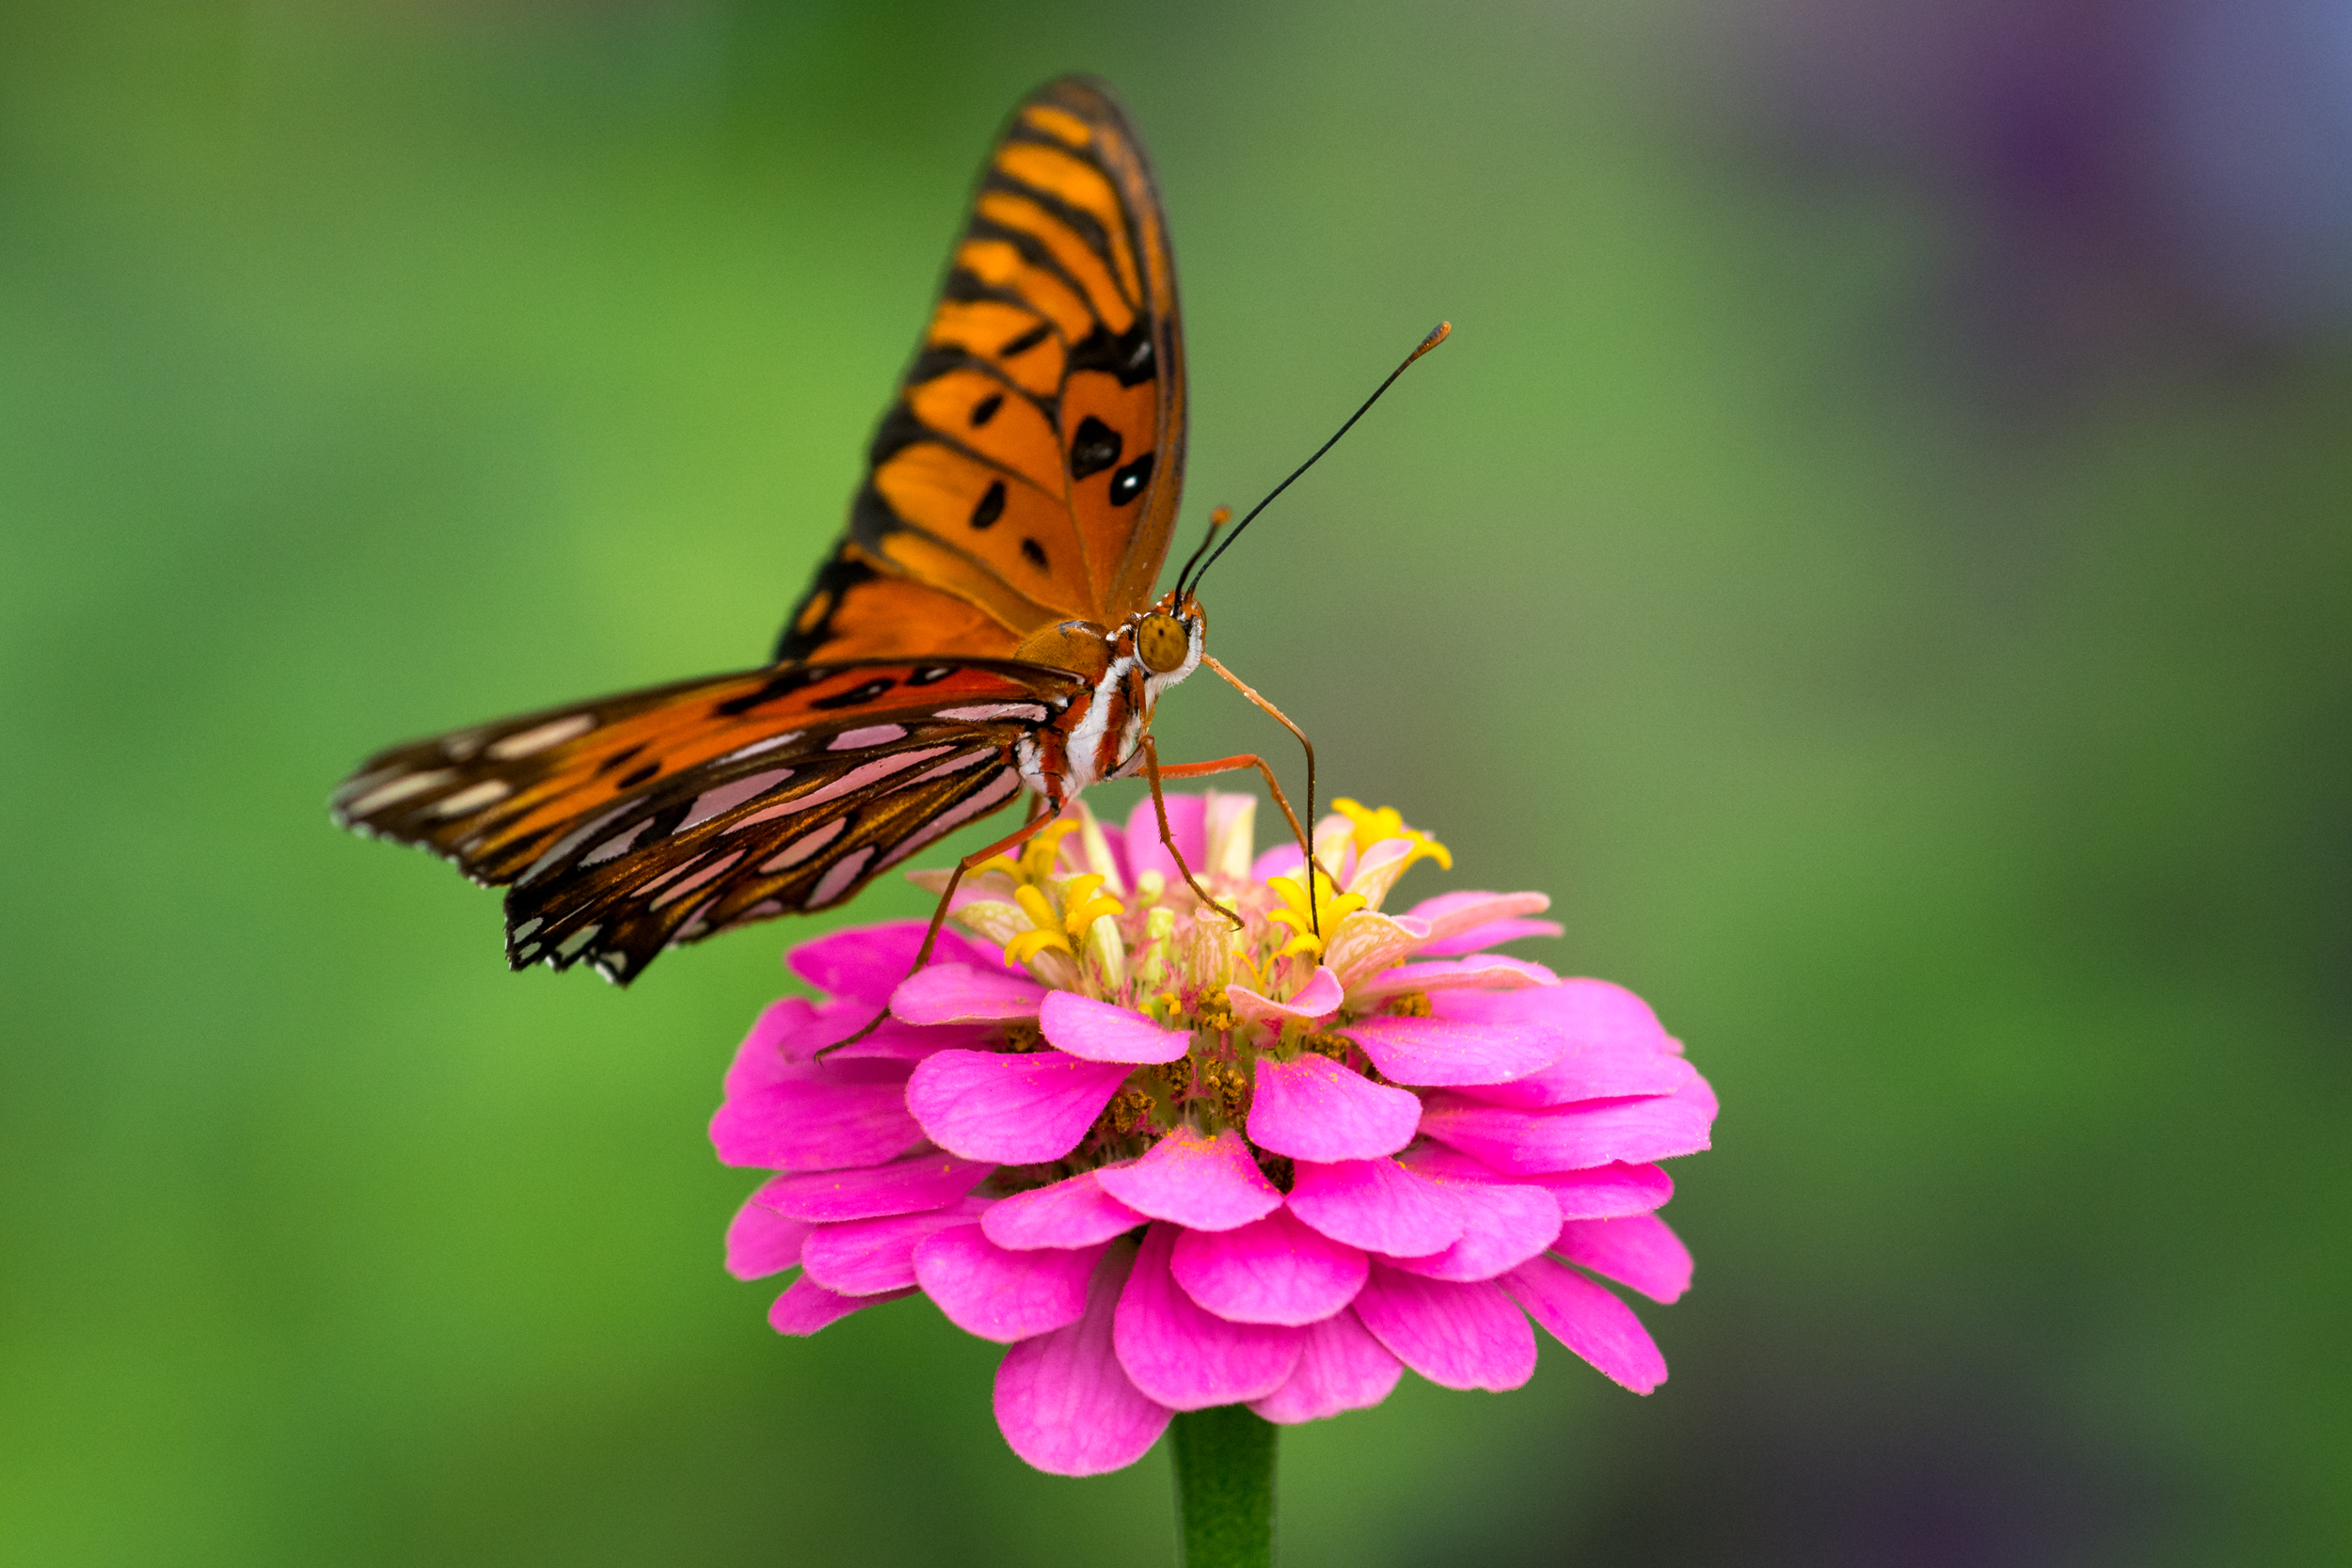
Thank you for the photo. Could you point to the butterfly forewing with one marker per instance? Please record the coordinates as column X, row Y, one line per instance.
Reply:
column 1028, row 472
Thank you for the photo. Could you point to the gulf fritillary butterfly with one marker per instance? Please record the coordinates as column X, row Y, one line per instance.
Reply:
column 985, row 624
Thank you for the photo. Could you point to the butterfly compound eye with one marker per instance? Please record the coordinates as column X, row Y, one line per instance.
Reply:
column 1161, row 643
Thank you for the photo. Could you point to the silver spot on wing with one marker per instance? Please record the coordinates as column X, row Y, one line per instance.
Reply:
column 398, row 790
column 540, row 736
column 726, row 797
column 488, row 792
column 871, row 735
column 1027, row 712
column 836, row 880
column 805, row 845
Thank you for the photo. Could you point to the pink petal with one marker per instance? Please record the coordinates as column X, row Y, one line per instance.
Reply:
column 1145, row 853
column 998, row 1294
column 761, row 1243
column 893, row 1040
column 1589, row 1320
column 1603, row 1192
column 1447, row 1167
column 867, row 962
column 1271, row 1271
column 1341, row 1366
column 1073, row 1212
column 1064, row 1402
column 817, row 1123
column 1378, row 1205
column 1638, row 1251
column 1582, row 1074
column 1013, row 1109
column 864, row 1257
column 1572, row 1137
column 1606, row 1192
column 1449, row 915
column 1455, row 1336
column 806, row 1306
column 1506, row 1224
column 784, row 1043
column 1101, row 1033
column 902, row 1187
column 767, row 1051
column 1493, row 934
column 1185, row 1356
column 1484, row 971
column 1615, row 1047
column 1203, row 1184
column 1367, row 943
column 1442, row 1051
column 1283, row 860
column 1314, row 1109
column 1319, row 998
column 966, row 994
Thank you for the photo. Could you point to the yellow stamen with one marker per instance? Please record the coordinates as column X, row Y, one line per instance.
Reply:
column 1082, row 904
column 1037, row 856
column 1372, row 826
column 1330, row 906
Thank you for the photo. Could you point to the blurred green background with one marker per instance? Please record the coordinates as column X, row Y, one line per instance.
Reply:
column 1875, row 550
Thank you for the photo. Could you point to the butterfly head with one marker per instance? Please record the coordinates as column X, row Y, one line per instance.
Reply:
column 1168, row 640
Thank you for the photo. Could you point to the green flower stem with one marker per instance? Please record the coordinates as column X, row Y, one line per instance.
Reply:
column 1225, row 1487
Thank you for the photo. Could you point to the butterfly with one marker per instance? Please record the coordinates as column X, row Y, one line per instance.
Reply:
column 984, row 629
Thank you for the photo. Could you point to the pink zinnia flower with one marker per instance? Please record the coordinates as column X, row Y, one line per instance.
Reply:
column 1175, row 1166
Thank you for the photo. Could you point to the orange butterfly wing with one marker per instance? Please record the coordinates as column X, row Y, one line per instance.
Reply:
column 632, row 822
column 1028, row 472
column 1027, row 475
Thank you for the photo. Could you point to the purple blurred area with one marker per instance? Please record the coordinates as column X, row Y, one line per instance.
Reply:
column 2142, row 179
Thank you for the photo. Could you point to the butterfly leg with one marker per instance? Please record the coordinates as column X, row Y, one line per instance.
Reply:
column 1306, row 844
column 971, row 862
column 1236, row 765
column 1152, row 775
column 1306, row 847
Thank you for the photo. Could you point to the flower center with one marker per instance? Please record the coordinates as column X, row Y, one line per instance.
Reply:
column 1146, row 942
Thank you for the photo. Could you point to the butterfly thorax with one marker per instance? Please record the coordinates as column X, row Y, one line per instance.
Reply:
column 1098, row 734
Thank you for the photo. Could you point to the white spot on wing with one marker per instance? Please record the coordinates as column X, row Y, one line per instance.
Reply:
column 616, row 845
column 572, row 841
column 758, row 746
column 399, row 790
column 836, row 881
column 540, row 736
column 726, row 797
column 482, row 794
column 872, row 734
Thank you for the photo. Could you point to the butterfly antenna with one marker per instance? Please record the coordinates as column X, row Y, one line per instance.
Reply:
column 1436, row 336
column 1218, row 520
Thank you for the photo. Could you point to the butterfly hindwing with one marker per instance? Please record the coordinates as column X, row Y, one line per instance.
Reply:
column 703, row 856
column 1028, row 472
column 663, row 815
